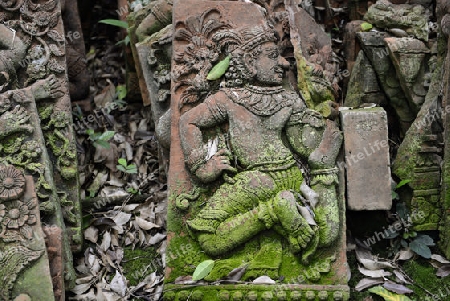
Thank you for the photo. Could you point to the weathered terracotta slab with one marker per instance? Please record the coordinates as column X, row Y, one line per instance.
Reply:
column 234, row 185
column 24, row 262
column 36, row 133
column 367, row 159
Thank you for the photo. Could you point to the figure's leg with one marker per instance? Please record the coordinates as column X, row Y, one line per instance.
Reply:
column 327, row 213
column 231, row 215
column 232, row 233
column 290, row 222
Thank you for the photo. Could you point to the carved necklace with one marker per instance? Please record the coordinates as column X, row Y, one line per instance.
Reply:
column 261, row 101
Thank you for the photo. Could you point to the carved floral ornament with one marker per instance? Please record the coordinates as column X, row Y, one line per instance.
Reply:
column 16, row 216
column 12, row 183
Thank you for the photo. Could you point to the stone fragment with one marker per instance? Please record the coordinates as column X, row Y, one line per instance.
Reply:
column 352, row 46
column 376, row 51
column 411, row 18
column 317, row 80
column 53, row 237
column 363, row 86
column 79, row 79
column 36, row 132
column 443, row 13
column 24, row 264
column 409, row 57
column 367, row 160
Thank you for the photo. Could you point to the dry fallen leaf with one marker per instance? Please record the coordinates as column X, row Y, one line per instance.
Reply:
column 399, row 277
column 263, row 280
column 374, row 273
column 368, row 282
column 397, row 288
column 184, row 280
column 237, row 273
column 145, row 225
column 369, row 261
column 119, row 284
column 91, row 234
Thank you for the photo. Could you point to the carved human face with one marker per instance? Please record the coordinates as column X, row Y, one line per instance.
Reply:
column 270, row 65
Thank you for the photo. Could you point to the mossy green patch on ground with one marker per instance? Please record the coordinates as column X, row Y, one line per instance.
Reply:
column 139, row 263
column 424, row 276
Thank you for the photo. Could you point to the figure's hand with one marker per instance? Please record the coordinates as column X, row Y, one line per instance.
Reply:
column 15, row 121
column 325, row 154
column 214, row 167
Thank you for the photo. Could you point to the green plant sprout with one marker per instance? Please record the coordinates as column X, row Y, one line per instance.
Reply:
column 121, row 93
column 121, row 24
column 100, row 139
column 125, row 167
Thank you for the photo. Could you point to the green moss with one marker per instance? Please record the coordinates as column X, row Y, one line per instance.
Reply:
column 424, row 276
column 139, row 263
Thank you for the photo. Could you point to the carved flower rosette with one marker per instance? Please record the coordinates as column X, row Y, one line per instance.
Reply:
column 12, row 183
column 16, row 215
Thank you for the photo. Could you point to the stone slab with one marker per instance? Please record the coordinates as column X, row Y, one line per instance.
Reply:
column 367, row 160
column 316, row 270
column 24, row 263
column 36, row 133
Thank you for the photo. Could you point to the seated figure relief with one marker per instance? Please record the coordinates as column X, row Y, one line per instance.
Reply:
column 261, row 132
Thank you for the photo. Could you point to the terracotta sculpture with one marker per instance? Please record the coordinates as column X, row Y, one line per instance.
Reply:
column 266, row 127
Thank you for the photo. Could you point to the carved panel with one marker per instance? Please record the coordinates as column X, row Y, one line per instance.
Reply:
column 36, row 133
column 237, row 192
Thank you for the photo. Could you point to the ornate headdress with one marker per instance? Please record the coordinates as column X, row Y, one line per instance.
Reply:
column 246, row 38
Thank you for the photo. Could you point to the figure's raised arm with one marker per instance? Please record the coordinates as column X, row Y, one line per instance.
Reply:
column 304, row 131
column 192, row 123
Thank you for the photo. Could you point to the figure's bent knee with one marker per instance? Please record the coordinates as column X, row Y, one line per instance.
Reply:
column 212, row 245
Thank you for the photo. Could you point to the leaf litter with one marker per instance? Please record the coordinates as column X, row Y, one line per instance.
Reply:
column 115, row 221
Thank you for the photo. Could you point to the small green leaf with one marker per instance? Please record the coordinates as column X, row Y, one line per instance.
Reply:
column 366, row 26
column 203, row 269
column 106, row 135
column 425, row 239
column 132, row 168
column 402, row 183
column 121, row 91
column 219, row 69
column 395, row 195
column 387, row 295
column 121, row 168
column 420, row 249
column 122, row 162
column 114, row 22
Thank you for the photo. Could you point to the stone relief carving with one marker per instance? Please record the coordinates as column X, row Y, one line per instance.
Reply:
column 21, row 238
column 235, row 176
column 35, row 124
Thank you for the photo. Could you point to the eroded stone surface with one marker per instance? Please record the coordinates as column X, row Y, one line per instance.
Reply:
column 376, row 51
column 367, row 159
column 410, row 57
column 24, row 264
column 413, row 19
column 443, row 12
column 35, row 116
column 363, row 86
column 234, row 186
